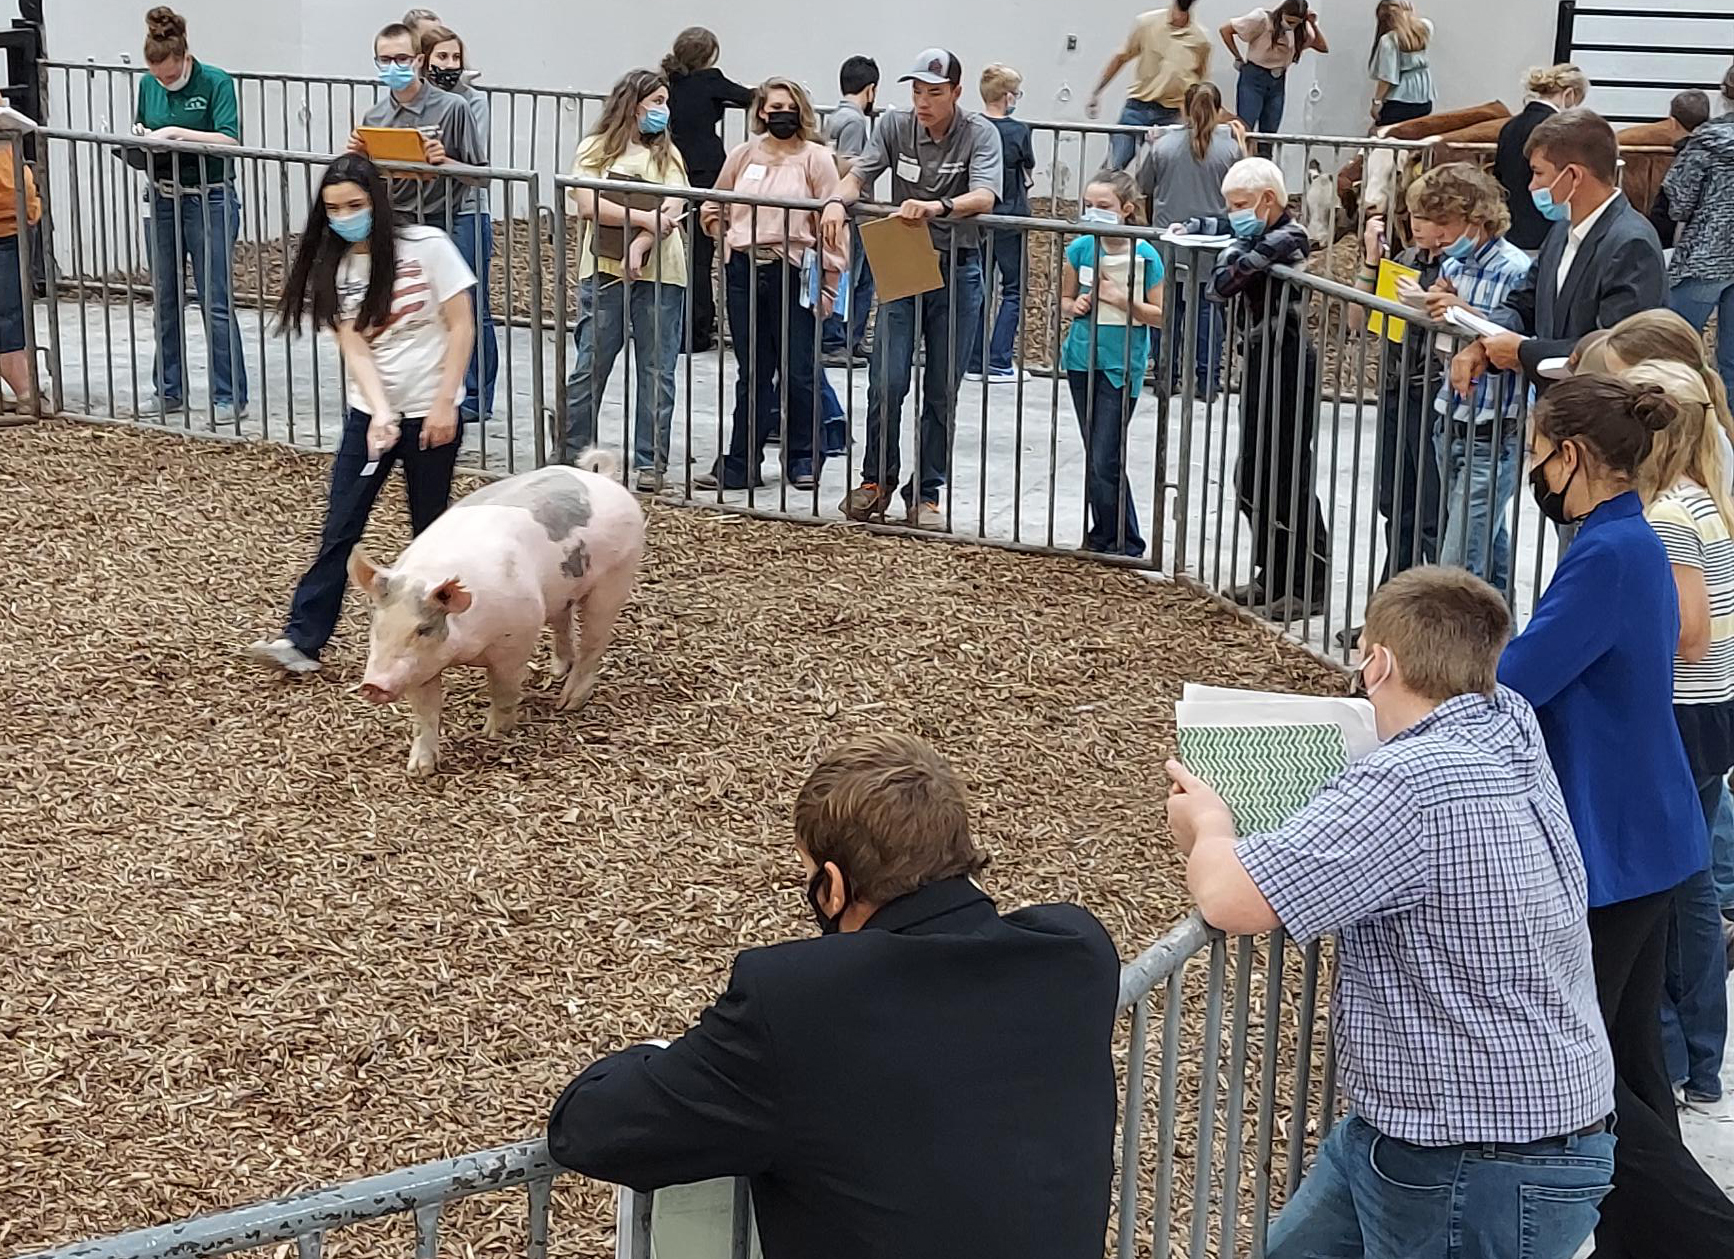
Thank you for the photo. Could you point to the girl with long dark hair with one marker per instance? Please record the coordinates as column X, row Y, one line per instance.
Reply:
column 396, row 296
column 1275, row 39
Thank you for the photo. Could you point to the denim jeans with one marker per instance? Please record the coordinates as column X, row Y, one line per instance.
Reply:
column 203, row 232
column 761, row 299
column 1695, row 301
column 1476, row 484
column 835, row 438
column 1137, row 113
column 473, row 234
column 1722, row 852
column 1259, row 98
column 427, row 476
column 1408, row 477
column 1369, row 1194
column 836, row 336
column 1695, row 1003
column 1005, row 258
column 606, row 305
column 930, row 317
column 1207, row 349
column 1104, row 418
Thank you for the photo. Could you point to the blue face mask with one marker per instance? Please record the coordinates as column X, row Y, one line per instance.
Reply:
column 352, row 227
column 1551, row 210
column 1245, row 223
column 654, row 122
column 1461, row 248
column 394, row 76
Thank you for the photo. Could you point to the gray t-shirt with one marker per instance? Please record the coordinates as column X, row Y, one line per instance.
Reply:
column 1185, row 187
column 847, row 128
column 449, row 117
column 967, row 158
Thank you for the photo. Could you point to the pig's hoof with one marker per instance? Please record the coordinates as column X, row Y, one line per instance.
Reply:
column 423, row 764
column 575, row 697
column 558, row 669
column 499, row 723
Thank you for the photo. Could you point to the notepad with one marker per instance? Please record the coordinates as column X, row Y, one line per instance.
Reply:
column 1391, row 276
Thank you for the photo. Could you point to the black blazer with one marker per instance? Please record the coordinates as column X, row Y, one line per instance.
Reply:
column 1618, row 272
column 1511, row 167
column 939, row 1084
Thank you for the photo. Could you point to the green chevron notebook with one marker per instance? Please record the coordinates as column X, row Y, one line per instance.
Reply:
column 1264, row 773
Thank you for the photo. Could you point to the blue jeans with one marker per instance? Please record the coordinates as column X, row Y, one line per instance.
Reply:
column 1695, row 301
column 835, row 438
column 427, row 478
column 1259, row 98
column 204, row 232
column 1722, row 852
column 929, row 316
column 606, row 305
column 760, row 299
column 473, row 234
column 1207, row 350
column 1369, row 1194
column 1137, row 113
column 1695, row 1001
column 836, row 336
column 1476, row 484
column 1006, row 257
column 1104, row 418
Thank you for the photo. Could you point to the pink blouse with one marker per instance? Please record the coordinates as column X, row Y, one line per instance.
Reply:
column 809, row 174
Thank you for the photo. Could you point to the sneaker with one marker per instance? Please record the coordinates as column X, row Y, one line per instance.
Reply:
column 148, row 409
column 801, row 475
column 706, row 481
column 231, row 414
column 648, row 481
column 1010, row 376
column 1349, row 637
column 842, row 358
column 866, row 501
column 974, row 377
column 1248, row 594
column 926, row 516
column 1697, row 1097
column 280, row 653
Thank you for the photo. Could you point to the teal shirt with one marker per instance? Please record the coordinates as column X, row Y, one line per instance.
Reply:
column 1112, row 342
column 206, row 103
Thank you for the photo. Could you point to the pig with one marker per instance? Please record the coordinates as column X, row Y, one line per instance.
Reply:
column 480, row 582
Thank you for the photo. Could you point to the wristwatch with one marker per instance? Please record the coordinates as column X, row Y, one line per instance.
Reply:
column 946, row 205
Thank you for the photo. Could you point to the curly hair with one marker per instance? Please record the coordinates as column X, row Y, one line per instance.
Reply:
column 1461, row 190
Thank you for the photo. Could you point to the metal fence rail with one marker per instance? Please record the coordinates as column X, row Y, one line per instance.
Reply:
column 1228, row 1086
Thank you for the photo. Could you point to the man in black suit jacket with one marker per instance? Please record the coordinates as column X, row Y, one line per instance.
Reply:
column 925, row 1080
column 1600, row 263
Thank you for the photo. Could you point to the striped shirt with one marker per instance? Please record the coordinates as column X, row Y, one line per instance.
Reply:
column 1696, row 536
column 1484, row 280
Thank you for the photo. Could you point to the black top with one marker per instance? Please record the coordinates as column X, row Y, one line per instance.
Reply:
column 1528, row 227
column 1020, row 159
column 938, row 1084
column 695, row 107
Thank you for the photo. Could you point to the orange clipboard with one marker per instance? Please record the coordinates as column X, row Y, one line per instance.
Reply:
column 393, row 144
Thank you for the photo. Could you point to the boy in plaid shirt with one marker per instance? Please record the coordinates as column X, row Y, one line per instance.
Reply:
column 1480, row 435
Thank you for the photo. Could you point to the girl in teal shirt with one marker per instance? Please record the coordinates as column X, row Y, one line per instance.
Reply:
column 1113, row 292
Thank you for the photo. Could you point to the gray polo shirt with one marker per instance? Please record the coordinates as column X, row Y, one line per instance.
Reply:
column 847, row 128
column 450, row 119
column 967, row 158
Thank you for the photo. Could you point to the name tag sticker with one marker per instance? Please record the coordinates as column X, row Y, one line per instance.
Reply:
column 1086, row 275
column 756, row 171
column 909, row 170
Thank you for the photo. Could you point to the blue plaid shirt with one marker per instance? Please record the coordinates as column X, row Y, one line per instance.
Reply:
column 1484, row 280
column 1465, row 1007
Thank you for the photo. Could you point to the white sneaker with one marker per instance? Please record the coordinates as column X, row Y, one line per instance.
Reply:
column 976, row 377
column 1008, row 377
column 280, row 653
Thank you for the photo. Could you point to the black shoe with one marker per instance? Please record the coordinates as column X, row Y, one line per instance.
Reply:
column 706, row 346
column 1287, row 609
column 1248, row 594
column 1349, row 637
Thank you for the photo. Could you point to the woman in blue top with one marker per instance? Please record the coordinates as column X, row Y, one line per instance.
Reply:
column 1106, row 351
column 1597, row 662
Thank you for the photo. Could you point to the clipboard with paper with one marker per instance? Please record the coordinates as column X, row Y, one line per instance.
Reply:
column 902, row 256
column 1391, row 277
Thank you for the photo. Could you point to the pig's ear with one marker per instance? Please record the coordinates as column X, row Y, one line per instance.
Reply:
column 449, row 596
column 369, row 576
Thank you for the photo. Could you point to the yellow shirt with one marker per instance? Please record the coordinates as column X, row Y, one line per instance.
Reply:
column 669, row 261
column 1170, row 58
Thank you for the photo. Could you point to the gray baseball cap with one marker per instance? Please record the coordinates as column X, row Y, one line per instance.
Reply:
column 936, row 65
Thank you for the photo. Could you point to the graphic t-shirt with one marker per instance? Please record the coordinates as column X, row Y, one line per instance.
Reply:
column 409, row 351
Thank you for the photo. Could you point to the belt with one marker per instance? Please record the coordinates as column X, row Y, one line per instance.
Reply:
column 1592, row 1130
column 1588, row 1130
column 168, row 188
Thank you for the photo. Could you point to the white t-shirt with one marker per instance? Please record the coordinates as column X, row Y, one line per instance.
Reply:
column 410, row 349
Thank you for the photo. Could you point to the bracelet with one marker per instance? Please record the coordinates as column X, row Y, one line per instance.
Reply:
column 1369, row 275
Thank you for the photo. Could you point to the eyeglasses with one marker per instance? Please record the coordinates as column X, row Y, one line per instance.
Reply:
column 401, row 59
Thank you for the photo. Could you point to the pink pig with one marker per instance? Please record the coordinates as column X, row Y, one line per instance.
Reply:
column 479, row 584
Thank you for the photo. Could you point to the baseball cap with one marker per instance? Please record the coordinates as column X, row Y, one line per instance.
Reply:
column 935, row 66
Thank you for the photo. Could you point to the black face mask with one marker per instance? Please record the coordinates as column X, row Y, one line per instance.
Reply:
column 446, row 78
column 828, row 926
column 783, row 123
column 1551, row 503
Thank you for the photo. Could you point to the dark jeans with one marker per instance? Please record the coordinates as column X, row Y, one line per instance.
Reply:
column 1006, row 259
column 1207, row 347
column 1393, row 112
column 1104, row 416
column 1259, row 98
column 473, row 234
column 933, row 318
column 427, row 476
column 1124, row 145
column 760, row 299
column 1408, row 476
column 1662, row 1202
column 1695, row 999
column 837, row 337
column 701, row 269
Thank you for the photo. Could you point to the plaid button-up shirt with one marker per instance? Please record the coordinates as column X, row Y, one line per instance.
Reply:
column 1465, row 1006
column 1484, row 280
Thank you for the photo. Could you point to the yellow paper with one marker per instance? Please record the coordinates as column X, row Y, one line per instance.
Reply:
column 1390, row 275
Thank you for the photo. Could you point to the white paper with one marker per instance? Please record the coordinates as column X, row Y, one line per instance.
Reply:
column 754, row 171
column 1226, row 706
column 1086, row 274
column 1473, row 323
column 371, row 468
column 1196, row 242
column 1554, row 369
column 694, row 1222
column 909, row 170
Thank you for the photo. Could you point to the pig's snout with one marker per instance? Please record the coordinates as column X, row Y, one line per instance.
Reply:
column 373, row 693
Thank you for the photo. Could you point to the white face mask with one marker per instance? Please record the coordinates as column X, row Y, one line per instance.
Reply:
column 186, row 76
